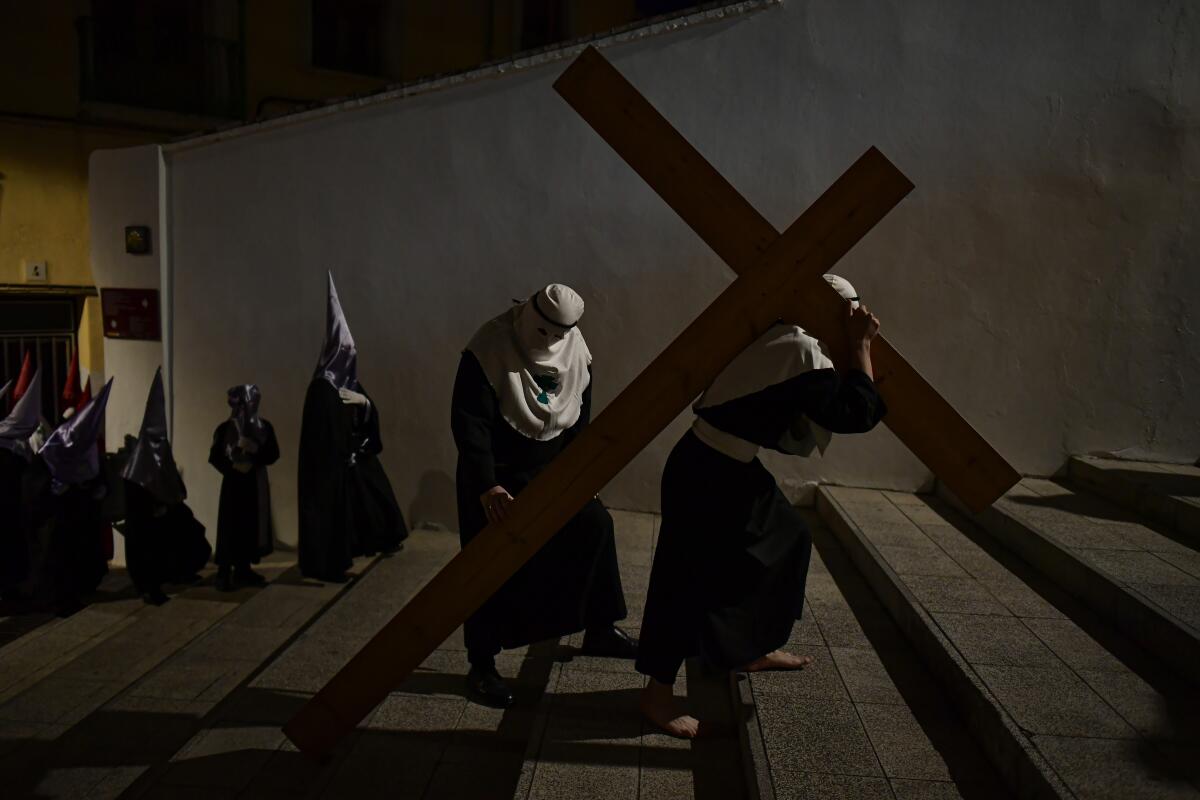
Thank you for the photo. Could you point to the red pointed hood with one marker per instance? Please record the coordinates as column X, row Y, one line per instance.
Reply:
column 23, row 380
column 72, row 390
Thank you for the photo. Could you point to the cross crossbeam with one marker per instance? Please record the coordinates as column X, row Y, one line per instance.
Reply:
column 920, row 417
column 779, row 275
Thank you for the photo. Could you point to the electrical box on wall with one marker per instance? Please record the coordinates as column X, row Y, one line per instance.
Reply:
column 35, row 272
column 137, row 239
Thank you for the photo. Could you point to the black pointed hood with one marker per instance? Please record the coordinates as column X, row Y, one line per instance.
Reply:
column 70, row 452
column 151, row 464
column 339, row 356
column 22, row 421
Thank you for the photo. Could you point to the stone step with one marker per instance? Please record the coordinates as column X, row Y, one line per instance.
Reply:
column 1166, row 493
column 1061, row 703
column 1144, row 582
column 866, row 719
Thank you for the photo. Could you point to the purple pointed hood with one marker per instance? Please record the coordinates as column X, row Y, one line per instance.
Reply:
column 18, row 426
column 70, row 452
column 339, row 356
column 151, row 464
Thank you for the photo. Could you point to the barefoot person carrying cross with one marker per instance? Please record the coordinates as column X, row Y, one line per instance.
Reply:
column 732, row 558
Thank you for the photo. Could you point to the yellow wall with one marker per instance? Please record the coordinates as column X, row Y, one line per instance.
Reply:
column 44, row 210
column 43, row 163
column 43, row 197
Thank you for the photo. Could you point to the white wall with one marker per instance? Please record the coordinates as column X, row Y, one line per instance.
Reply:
column 123, row 189
column 1041, row 275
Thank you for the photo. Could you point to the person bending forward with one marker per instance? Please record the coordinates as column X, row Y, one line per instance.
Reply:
column 729, row 569
column 522, row 393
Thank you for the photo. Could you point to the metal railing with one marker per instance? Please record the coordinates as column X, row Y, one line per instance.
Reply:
column 190, row 74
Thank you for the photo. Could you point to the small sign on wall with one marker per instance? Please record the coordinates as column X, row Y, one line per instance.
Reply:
column 130, row 314
column 35, row 272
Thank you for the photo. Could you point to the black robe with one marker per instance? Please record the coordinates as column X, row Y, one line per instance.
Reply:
column 732, row 558
column 347, row 507
column 163, row 543
column 64, row 538
column 244, row 514
column 573, row 582
column 14, row 523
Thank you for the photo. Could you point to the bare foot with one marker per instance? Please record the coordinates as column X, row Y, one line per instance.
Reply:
column 659, row 706
column 777, row 659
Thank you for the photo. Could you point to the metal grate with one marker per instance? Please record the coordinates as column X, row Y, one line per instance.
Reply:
column 44, row 328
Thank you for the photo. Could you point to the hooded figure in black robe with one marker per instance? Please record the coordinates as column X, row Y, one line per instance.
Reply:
column 164, row 542
column 66, row 486
column 243, row 447
column 522, row 394
column 15, row 457
column 346, row 504
column 732, row 557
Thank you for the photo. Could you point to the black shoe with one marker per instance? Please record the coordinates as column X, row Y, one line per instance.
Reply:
column 248, row 577
column 609, row 643
column 154, row 597
column 486, row 687
column 224, row 582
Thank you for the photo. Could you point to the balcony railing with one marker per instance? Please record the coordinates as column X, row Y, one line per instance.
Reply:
column 186, row 73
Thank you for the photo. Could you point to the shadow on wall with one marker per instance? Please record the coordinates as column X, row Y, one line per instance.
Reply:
column 436, row 504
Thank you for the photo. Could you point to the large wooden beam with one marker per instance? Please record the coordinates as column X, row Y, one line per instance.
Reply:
column 923, row 420
column 812, row 245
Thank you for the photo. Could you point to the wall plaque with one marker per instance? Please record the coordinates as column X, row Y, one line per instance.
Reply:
column 130, row 314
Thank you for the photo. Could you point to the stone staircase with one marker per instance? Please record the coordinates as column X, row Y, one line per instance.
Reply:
column 1061, row 626
column 1045, row 648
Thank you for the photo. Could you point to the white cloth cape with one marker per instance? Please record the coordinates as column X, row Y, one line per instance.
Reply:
column 783, row 352
column 512, row 369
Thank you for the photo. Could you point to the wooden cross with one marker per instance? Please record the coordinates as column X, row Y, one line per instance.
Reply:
column 779, row 276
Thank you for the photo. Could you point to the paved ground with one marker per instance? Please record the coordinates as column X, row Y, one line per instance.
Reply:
column 125, row 700
column 187, row 700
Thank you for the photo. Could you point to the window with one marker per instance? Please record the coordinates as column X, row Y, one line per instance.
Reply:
column 171, row 55
column 347, row 35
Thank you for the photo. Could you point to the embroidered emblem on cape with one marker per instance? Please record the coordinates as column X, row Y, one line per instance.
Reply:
column 546, row 383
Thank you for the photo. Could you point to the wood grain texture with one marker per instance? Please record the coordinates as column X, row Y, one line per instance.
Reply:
column 920, row 417
column 739, row 315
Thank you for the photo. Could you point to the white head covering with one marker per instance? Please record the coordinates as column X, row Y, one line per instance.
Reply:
column 536, row 361
column 782, row 353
